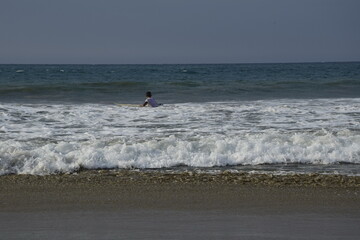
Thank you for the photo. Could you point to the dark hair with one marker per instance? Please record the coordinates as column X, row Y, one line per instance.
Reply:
column 148, row 94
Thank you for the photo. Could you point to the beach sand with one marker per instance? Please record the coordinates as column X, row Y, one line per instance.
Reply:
column 124, row 204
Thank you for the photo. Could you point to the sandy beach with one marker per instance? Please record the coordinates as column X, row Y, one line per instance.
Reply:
column 103, row 204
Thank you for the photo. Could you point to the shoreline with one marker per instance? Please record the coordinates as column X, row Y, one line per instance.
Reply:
column 120, row 188
column 125, row 176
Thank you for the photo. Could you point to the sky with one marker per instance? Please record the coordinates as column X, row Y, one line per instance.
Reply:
column 178, row 31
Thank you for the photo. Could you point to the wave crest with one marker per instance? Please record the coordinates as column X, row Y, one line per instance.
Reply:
column 251, row 149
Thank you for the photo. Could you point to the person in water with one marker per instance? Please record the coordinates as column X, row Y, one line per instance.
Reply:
column 150, row 101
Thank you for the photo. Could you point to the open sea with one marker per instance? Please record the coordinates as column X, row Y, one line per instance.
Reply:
column 278, row 118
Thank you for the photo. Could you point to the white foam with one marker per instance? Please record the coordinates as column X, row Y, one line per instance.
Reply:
column 44, row 139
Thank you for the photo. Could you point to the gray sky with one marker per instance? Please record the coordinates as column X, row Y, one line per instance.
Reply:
column 178, row 31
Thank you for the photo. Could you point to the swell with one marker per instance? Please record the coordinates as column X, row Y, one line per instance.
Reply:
column 224, row 90
column 44, row 87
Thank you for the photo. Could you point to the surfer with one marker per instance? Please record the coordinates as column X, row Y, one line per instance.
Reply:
column 149, row 101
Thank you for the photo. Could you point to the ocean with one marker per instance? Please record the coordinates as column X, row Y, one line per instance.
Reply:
column 277, row 118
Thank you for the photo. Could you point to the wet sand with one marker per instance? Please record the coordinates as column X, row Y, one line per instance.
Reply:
column 104, row 204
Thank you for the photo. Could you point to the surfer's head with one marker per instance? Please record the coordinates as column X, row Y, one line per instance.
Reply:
column 148, row 94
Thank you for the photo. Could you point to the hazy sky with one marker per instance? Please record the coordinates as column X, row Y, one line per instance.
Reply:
column 178, row 31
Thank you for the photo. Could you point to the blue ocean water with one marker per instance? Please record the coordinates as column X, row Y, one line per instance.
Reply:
column 178, row 83
column 281, row 118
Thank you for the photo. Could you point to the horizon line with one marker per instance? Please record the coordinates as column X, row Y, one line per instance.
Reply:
column 214, row 63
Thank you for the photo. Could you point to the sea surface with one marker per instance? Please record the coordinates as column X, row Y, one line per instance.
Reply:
column 278, row 118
